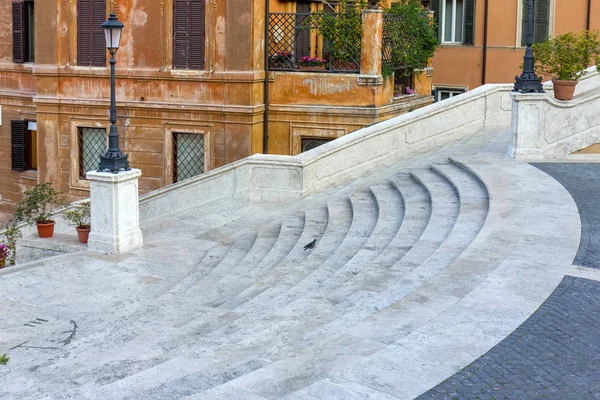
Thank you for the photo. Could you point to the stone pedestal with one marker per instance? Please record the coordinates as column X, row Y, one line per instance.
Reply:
column 370, row 57
column 115, row 212
column 527, row 125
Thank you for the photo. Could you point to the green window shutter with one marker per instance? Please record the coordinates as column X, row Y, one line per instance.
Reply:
column 541, row 21
column 436, row 8
column 470, row 22
column 542, row 17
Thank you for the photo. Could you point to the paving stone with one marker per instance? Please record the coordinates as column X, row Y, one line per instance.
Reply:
column 569, row 372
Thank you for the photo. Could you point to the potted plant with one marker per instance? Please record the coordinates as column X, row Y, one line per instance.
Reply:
column 282, row 59
column 565, row 58
column 37, row 208
column 307, row 63
column 79, row 217
column 3, row 254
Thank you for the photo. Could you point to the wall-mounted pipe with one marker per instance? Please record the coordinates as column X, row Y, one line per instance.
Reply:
column 266, row 90
column 485, row 44
column 589, row 15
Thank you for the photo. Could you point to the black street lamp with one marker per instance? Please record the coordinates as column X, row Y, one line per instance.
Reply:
column 529, row 82
column 114, row 160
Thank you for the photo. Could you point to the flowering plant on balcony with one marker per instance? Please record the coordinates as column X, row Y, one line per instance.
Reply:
column 307, row 61
column 282, row 57
column 3, row 254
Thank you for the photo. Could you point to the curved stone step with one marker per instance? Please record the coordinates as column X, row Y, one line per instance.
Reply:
column 241, row 244
column 518, row 258
column 417, row 211
column 261, row 311
column 383, row 238
column 339, row 222
column 315, row 228
column 251, row 269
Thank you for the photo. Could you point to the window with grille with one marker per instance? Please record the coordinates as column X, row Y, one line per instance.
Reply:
column 188, row 155
column 92, row 146
column 311, row 143
column 188, row 34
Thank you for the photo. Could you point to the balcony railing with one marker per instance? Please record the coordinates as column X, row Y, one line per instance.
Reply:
column 332, row 37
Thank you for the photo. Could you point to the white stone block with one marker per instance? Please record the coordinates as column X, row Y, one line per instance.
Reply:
column 114, row 212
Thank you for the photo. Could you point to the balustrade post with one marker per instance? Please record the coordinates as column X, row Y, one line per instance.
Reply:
column 372, row 39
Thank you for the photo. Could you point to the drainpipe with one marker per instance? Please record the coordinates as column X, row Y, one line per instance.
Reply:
column 485, row 44
column 589, row 15
column 266, row 92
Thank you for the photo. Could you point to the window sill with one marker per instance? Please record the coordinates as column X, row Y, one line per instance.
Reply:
column 31, row 174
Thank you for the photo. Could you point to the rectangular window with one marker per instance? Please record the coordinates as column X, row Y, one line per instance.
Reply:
column 91, row 47
column 188, row 34
column 309, row 143
column 23, row 31
column 541, row 21
column 24, row 145
column 92, row 146
column 188, row 155
column 441, row 94
column 453, row 17
column 455, row 20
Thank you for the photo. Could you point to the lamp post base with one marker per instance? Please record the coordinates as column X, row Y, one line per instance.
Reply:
column 114, row 162
column 528, row 83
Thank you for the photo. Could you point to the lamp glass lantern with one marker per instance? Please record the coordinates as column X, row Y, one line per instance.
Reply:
column 112, row 32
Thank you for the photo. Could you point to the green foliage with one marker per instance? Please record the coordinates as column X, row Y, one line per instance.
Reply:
column 12, row 233
column 38, row 204
column 567, row 56
column 341, row 31
column 411, row 38
column 79, row 215
column 4, row 359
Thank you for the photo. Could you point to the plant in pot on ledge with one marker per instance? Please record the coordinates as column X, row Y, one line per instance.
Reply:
column 565, row 58
column 307, row 63
column 79, row 217
column 38, row 206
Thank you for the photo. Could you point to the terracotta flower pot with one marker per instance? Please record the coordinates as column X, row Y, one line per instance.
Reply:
column 312, row 68
column 563, row 90
column 45, row 229
column 2, row 262
column 83, row 233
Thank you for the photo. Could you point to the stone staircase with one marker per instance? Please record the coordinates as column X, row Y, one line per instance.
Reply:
column 418, row 268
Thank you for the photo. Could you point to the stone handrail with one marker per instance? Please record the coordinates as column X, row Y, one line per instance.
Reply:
column 285, row 178
column 546, row 128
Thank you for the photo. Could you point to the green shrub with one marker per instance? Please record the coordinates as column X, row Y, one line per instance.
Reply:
column 567, row 56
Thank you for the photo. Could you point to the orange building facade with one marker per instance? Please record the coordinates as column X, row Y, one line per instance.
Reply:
column 495, row 51
column 183, row 108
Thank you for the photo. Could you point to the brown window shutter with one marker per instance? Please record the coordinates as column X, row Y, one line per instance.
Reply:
column 18, row 40
column 180, row 34
column 197, row 34
column 98, row 55
column 84, row 28
column 17, row 129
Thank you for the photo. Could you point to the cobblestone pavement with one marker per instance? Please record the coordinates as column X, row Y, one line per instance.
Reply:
column 555, row 354
column 583, row 182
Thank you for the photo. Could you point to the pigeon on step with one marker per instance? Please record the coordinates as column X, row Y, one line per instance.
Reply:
column 310, row 245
